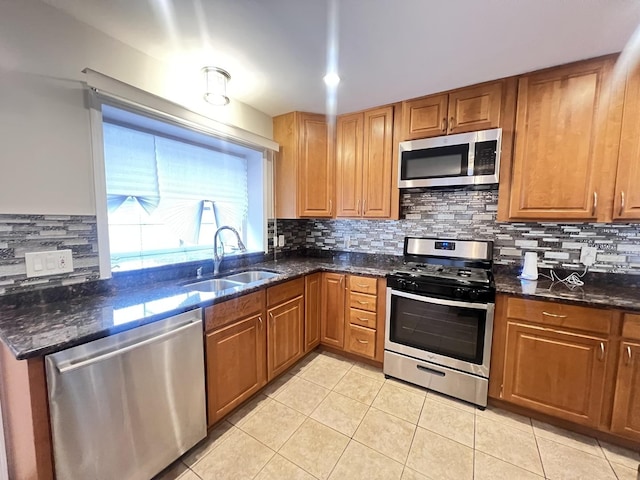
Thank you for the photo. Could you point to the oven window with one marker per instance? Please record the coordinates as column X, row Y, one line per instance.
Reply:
column 454, row 332
column 437, row 162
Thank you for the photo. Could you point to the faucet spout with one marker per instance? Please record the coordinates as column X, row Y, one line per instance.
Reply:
column 217, row 257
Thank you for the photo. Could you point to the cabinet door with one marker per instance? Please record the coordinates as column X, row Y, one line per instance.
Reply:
column 315, row 168
column 284, row 336
column 424, row 117
column 349, row 165
column 476, row 108
column 312, row 311
column 332, row 328
column 627, row 197
column 559, row 145
column 235, row 365
column 377, row 160
column 555, row 372
column 626, row 407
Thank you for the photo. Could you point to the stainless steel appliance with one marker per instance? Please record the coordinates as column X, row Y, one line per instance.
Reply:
column 439, row 319
column 126, row 406
column 465, row 159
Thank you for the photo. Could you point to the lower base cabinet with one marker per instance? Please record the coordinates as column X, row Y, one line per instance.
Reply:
column 575, row 363
column 626, row 407
column 312, row 311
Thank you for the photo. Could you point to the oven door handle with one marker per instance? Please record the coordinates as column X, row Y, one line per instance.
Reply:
column 441, row 301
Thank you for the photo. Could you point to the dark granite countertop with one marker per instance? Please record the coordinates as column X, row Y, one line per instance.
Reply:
column 32, row 331
column 593, row 293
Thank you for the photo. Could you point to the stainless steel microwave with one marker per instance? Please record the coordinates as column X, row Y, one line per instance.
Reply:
column 465, row 159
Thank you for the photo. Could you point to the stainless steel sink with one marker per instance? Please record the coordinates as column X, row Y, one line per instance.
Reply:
column 251, row 276
column 214, row 285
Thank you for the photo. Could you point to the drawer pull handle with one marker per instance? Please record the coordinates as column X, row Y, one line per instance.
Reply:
column 601, row 356
column 452, row 123
column 431, row 371
column 444, row 124
column 362, row 341
column 361, row 285
column 363, row 319
column 554, row 315
column 628, row 361
column 621, row 203
column 362, row 303
column 358, row 208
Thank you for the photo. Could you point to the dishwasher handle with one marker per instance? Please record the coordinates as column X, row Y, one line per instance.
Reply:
column 119, row 351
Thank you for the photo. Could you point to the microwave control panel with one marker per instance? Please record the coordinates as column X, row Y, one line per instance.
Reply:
column 485, row 158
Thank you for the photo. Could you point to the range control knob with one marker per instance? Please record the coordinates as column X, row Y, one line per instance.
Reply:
column 458, row 292
column 474, row 294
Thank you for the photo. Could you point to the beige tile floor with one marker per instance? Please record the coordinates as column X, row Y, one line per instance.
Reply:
column 332, row 418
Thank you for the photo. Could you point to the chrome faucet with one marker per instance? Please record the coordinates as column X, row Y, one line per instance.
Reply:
column 217, row 259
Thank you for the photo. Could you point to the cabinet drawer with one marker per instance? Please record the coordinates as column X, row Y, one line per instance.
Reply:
column 285, row 291
column 631, row 326
column 233, row 310
column 362, row 341
column 363, row 284
column 362, row 318
column 588, row 319
column 362, row 301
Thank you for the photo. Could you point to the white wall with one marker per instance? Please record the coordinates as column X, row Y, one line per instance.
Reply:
column 45, row 148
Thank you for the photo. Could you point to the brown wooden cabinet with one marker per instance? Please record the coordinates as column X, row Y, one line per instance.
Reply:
column 562, row 148
column 235, row 353
column 285, row 326
column 467, row 109
column 362, row 305
column 304, row 168
column 555, row 372
column 332, row 295
column 626, row 204
column 364, row 158
column 312, row 311
column 626, row 407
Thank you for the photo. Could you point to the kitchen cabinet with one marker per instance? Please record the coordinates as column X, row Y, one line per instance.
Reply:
column 312, row 311
column 285, row 330
column 625, row 420
column 364, row 159
column 235, row 353
column 362, row 305
column 467, row 109
column 304, row 169
column 332, row 323
column 626, row 204
column 563, row 145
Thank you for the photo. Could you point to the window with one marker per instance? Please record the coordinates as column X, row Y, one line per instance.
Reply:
column 168, row 189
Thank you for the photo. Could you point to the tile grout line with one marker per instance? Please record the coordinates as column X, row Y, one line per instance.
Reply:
column 473, row 465
column 615, row 474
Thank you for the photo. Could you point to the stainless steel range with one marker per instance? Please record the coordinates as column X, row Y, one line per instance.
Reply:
column 439, row 321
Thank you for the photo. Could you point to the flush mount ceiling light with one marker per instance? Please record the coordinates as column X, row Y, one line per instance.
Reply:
column 216, row 85
column 331, row 79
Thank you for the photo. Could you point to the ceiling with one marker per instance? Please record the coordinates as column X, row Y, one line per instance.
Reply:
column 387, row 50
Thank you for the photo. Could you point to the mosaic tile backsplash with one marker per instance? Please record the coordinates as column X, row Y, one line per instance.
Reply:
column 35, row 233
column 467, row 214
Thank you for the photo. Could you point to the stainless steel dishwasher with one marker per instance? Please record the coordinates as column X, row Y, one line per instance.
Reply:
column 126, row 406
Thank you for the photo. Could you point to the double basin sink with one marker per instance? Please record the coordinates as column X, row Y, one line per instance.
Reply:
column 241, row 279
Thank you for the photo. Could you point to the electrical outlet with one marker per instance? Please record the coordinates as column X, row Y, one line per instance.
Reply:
column 347, row 241
column 48, row 263
column 281, row 240
column 588, row 255
column 275, row 240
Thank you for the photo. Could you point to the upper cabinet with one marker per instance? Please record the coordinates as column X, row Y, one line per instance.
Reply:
column 304, row 167
column 364, row 159
column 560, row 142
column 626, row 204
column 464, row 110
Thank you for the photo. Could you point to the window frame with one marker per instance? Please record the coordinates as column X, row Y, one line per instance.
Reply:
column 142, row 103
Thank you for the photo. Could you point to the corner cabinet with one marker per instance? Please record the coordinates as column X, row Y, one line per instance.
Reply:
column 304, row 168
column 364, row 159
column 464, row 110
column 562, row 160
column 235, row 345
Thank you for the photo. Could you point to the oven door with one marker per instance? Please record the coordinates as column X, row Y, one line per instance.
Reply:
column 445, row 332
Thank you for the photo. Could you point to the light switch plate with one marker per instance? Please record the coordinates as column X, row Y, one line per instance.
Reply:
column 52, row 262
column 281, row 240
